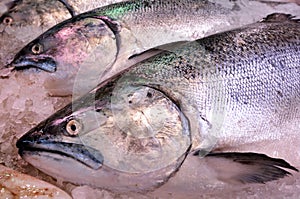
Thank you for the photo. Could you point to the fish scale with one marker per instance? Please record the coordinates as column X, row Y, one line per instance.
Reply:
column 137, row 26
column 250, row 83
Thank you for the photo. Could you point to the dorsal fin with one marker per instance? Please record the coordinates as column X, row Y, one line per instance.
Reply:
column 280, row 17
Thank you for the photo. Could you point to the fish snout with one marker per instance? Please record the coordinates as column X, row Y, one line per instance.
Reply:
column 35, row 142
column 33, row 137
column 40, row 62
column 30, row 139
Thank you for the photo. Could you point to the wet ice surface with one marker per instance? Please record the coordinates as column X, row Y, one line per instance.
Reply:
column 286, row 188
column 24, row 102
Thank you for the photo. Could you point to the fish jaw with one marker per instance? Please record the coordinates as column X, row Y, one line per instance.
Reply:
column 68, row 170
column 44, row 63
column 36, row 142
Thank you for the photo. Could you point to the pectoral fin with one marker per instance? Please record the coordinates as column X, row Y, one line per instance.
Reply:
column 247, row 167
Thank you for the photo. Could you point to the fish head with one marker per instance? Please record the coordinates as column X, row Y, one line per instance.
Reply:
column 67, row 45
column 81, row 47
column 24, row 21
column 138, row 131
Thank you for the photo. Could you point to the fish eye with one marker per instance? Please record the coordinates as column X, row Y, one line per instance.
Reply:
column 7, row 20
column 37, row 48
column 149, row 94
column 73, row 127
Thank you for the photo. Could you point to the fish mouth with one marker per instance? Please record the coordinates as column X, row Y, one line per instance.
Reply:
column 44, row 63
column 83, row 154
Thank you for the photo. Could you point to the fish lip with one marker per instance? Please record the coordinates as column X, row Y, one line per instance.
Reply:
column 83, row 154
column 45, row 63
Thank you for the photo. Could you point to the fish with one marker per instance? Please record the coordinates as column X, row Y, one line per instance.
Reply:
column 15, row 184
column 228, row 103
column 118, row 34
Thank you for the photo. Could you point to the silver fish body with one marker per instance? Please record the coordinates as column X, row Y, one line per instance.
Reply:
column 81, row 6
column 231, row 96
column 95, row 45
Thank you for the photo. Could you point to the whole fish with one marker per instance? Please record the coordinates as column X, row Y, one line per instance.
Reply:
column 232, row 98
column 95, row 45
